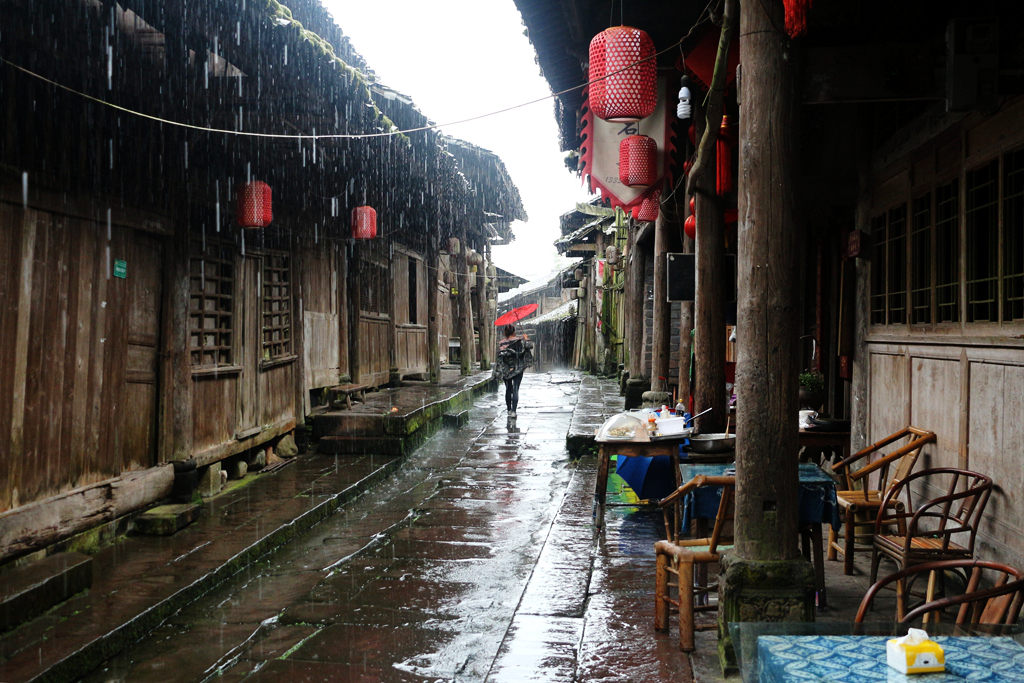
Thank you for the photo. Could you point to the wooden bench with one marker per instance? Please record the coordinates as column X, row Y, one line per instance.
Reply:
column 349, row 392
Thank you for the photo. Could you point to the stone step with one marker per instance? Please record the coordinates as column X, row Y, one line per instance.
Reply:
column 166, row 520
column 361, row 445
column 456, row 420
column 29, row 590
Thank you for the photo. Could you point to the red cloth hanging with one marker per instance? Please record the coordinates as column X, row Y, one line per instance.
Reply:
column 724, row 157
column 796, row 17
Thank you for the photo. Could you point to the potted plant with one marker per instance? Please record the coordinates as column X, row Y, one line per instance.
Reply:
column 812, row 385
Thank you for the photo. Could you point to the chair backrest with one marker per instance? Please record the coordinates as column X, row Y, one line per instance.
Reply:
column 998, row 604
column 957, row 511
column 905, row 457
column 722, row 532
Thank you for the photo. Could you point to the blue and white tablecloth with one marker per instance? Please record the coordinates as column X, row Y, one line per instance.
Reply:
column 861, row 659
column 817, row 501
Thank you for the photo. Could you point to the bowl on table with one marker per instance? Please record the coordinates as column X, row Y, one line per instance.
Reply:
column 712, row 443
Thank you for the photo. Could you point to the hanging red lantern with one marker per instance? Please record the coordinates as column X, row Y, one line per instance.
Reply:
column 623, row 71
column 649, row 208
column 724, row 157
column 254, row 208
column 638, row 161
column 690, row 226
column 796, row 17
column 364, row 223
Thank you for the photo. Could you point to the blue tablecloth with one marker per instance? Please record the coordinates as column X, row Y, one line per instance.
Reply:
column 861, row 659
column 817, row 502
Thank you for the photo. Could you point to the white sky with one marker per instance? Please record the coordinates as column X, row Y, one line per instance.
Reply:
column 463, row 58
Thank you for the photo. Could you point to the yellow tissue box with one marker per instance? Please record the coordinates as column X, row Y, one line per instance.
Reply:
column 915, row 654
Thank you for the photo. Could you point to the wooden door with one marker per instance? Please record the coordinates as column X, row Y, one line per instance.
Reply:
column 250, row 345
column 141, row 388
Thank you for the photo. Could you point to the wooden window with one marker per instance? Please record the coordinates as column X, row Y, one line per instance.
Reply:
column 277, row 310
column 947, row 252
column 982, row 226
column 211, row 304
column 889, row 267
column 921, row 261
column 896, row 282
column 878, row 230
column 1013, row 236
column 373, row 289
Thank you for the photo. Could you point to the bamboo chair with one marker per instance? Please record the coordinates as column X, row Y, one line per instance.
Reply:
column 925, row 534
column 676, row 557
column 999, row 604
column 859, row 502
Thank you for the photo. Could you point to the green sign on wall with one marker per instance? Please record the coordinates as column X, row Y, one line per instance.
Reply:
column 120, row 269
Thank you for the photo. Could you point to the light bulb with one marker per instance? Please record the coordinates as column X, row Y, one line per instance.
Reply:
column 684, row 109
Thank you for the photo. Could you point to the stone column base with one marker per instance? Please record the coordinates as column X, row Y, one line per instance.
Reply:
column 635, row 389
column 748, row 590
column 656, row 399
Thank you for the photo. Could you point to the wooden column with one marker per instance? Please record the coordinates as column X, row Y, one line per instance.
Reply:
column 433, row 307
column 467, row 352
column 685, row 328
column 481, row 308
column 633, row 303
column 179, row 380
column 343, row 316
column 767, row 317
column 355, row 304
column 661, row 333
column 709, row 304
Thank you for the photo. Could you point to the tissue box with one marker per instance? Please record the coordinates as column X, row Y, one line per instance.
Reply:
column 922, row 657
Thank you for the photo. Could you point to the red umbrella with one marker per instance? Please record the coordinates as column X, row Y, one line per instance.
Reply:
column 515, row 315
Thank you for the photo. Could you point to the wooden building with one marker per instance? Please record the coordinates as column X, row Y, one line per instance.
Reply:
column 140, row 325
column 904, row 223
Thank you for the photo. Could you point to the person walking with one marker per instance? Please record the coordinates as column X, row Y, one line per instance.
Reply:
column 514, row 357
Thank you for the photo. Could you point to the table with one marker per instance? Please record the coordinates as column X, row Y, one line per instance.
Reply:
column 861, row 659
column 816, row 504
column 825, row 440
column 628, row 449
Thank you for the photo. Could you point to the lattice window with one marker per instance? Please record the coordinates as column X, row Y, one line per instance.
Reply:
column 1013, row 236
column 982, row 225
column 878, row 234
column 277, row 308
column 921, row 261
column 896, row 282
column 211, row 304
column 947, row 252
column 373, row 289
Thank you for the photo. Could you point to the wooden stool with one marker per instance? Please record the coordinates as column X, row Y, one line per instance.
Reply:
column 348, row 391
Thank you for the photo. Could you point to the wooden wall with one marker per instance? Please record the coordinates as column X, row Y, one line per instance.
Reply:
column 410, row 322
column 964, row 381
column 78, row 352
column 320, row 282
column 374, row 349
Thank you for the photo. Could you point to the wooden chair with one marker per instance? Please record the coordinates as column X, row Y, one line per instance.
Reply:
column 926, row 533
column 859, row 501
column 677, row 557
column 999, row 604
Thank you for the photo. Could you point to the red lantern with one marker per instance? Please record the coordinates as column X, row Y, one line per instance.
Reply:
column 622, row 75
column 364, row 223
column 638, row 161
column 690, row 226
column 649, row 208
column 724, row 157
column 254, row 209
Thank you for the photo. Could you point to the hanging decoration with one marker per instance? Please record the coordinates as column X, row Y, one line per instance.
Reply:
column 690, row 224
column 638, row 161
column 622, row 77
column 796, row 17
column 699, row 60
column 724, row 156
column 648, row 209
column 364, row 223
column 255, row 208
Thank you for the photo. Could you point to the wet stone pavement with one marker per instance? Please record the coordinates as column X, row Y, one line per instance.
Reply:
column 476, row 561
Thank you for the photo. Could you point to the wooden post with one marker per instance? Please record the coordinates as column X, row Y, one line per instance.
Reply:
column 481, row 309
column 433, row 308
column 355, row 304
column 767, row 317
column 765, row 576
column 179, row 382
column 709, row 305
column 635, row 271
column 343, row 317
column 467, row 352
column 661, row 335
column 685, row 329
